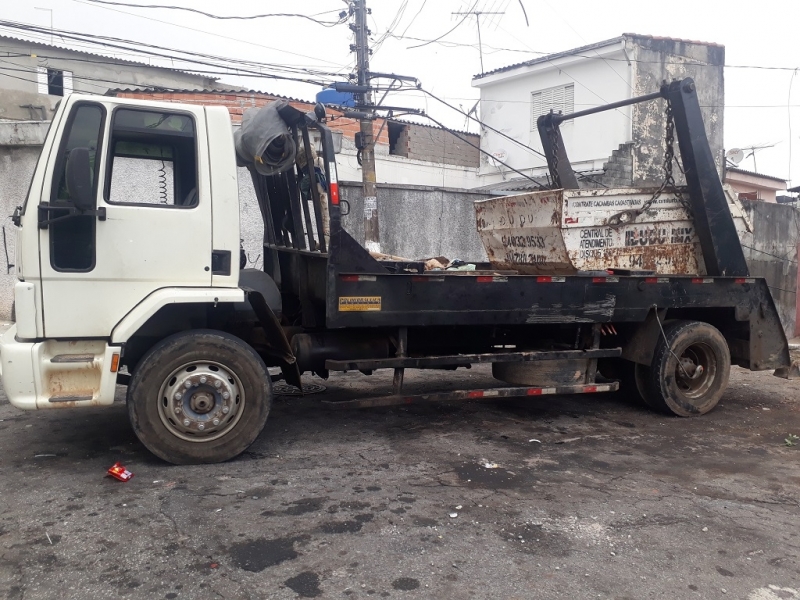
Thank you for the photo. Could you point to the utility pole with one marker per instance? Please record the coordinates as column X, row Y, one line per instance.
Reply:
column 478, row 14
column 372, row 240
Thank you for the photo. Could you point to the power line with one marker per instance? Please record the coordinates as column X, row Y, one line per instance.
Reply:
column 482, row 124
column 203, row 31
column 457, row 25
column 223, row 17
column 207, row 59
column 561, row 54
column 479, row 149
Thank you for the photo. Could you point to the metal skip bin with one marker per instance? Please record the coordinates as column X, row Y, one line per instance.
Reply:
column 566, row 231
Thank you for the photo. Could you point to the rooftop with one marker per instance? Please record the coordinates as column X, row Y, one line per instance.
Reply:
column 754, row 174
column 221, row 92
column 588, row 48
column 116, row 59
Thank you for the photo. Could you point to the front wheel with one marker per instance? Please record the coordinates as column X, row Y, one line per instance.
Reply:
column 199, row 397
column 690, row 369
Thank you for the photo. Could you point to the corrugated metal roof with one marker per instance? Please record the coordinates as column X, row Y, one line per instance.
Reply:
column 550, row 57
column 588, row 48
column 106, row 56
column 162, row 90
column 407, row 122
column 754, row 174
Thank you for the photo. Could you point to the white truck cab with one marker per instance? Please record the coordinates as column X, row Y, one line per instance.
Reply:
column 133, row 206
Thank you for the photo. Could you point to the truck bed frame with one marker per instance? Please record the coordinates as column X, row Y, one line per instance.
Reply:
column 495, row 316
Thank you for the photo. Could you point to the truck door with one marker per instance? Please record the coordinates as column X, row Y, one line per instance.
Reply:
column 151, row 227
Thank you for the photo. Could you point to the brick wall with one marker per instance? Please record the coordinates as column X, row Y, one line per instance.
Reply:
column 238, row 102
column 438, row 146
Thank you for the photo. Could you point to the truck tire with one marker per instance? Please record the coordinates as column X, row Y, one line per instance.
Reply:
column 198, row 397
column 694, row 385
column 641, row 377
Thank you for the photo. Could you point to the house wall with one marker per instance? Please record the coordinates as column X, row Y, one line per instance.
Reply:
column 92, row 74
column 436, row 145
column 635, row 66
column 20, row 144
column 764, row 188
column 506, row 106
column 656, row 60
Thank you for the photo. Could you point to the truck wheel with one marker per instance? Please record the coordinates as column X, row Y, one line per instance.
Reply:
column 199, row 397
column 690, row 369
column 641, row 377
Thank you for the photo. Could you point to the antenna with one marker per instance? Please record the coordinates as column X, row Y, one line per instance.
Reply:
column 478, row 14
column 735, row 156
column 753, row 150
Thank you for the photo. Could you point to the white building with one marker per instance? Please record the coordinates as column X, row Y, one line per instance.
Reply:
column 631, row 65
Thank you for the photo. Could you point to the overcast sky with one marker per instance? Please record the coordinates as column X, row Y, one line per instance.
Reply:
column 762, row 104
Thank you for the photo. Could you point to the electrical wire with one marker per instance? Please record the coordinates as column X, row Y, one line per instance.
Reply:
column 481, row 123
column 489, row 49
column 222, row 17
column 457, row 25
column 418, row 13
column 205, row 32
column 479, row 149
column 193, row 57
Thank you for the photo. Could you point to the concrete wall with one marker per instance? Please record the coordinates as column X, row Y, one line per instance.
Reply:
column 660, row 59
column 16, row 169
column 419, row 221
column 771, row 252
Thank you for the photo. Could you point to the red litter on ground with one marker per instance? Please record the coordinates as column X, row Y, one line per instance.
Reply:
column 118, row 471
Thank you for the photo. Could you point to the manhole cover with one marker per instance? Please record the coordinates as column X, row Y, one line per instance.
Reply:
column 284, row 389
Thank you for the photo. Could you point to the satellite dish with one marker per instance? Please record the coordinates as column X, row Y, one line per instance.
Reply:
column 735, row 156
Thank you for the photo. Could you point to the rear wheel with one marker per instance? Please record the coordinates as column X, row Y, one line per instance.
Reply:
column 199, row 397
column 641, row 377
column 690, row 369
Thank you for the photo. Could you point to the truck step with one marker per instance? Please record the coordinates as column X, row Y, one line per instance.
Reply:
column 70, row 398
column 72, row 358
column 474, row 395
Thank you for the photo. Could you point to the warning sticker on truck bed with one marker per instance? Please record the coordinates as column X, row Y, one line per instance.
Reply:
column 359, row 303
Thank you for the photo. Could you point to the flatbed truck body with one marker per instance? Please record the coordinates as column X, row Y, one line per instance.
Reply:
column 151, row 294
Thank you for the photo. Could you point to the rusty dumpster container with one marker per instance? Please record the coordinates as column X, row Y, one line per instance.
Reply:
column 566, row 231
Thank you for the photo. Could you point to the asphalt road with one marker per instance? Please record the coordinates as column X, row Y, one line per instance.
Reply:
column 579, row 497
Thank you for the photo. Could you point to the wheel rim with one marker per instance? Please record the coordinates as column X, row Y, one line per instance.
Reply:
column 696, row 370
column 201, row 401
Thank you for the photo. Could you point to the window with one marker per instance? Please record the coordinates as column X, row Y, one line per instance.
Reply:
column 558, row 99
column 153, row 159
column 398, row 138
column 72, row 246
column 54, row 81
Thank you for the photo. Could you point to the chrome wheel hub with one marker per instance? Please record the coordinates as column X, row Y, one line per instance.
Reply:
column 201, row 401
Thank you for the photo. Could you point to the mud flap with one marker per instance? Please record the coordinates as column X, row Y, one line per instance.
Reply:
column 277, row 341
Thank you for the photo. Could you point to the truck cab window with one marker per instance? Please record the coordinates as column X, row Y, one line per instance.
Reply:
column 72, row 245
column 152, row 159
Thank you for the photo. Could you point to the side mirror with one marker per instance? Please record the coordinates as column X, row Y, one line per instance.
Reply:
column 79, row 179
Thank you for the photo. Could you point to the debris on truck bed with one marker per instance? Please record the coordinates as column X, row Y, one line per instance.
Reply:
column 566, row 231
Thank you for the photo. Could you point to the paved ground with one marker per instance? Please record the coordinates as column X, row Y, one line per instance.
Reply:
column 587, row 497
